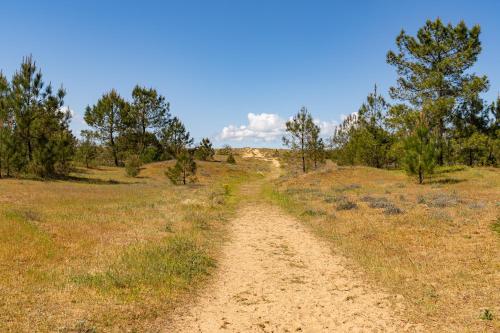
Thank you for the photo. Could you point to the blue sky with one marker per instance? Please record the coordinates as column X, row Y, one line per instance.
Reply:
column 241, row 65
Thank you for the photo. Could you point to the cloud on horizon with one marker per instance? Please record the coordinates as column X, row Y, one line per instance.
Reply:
column 266, row 127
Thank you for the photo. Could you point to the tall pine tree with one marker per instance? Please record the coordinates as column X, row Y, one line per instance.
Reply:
column 109, row 117
column 434, row 76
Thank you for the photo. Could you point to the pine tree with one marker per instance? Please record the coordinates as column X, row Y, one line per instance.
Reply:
column 298, row 132
column 363, row 138
column 149, row 111
column 316, row 146
column 433, row 73
column 5, row 127
column 205, row 151
column 375, row 140
column 183, row 170
column 420, row 153
column 493, row 145
column 344, row 151
column 175, row 138
column 109, row 118
column 230, row 159
column 87, row 149
column 225, row 150
column 43, row 141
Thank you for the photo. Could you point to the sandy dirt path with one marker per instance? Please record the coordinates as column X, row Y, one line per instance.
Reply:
column 275, row 276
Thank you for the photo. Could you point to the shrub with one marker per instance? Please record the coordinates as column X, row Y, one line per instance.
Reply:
column 486, row 314
column 420, row 153
column 347, row 187
column 392, row 210
column 381, row 202
column 84, row 326
column 374, row 202
column 420, row 199
column 133, row 166
column 183, row 170
column 204, row 151
column 226, row 150
column 443, row 200
column 477, row 205
column 496, row 226
column 230, row 159
column 346, row 204
column 313, row 212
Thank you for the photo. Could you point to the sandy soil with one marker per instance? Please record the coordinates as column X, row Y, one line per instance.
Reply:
column 275, row 276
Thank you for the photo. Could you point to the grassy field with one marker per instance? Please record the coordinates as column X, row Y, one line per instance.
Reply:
column 104, row 252
column 437, row 245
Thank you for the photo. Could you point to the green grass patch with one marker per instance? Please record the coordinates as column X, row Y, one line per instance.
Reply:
column 158, row 268
column 496, row 226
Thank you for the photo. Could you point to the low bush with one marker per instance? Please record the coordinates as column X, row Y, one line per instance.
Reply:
column 346, row 204
column 230, row 159
column 442, row 200
column 392, row 210
column 133, row 166
column 313, row 212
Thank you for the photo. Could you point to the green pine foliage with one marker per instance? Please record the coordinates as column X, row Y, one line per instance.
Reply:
column 434, row 77
column 315, row 147
column 149, row 113
column 434, row 83
column 87, row 148
column 363, row 138
column 205, row 151
column 133, row 165
column 109, row 119
column 35, row 138
column 184, row 169
column 300, row 134
column 420, row 154
column 225, row 150
column 230, row 159
column 175, row 138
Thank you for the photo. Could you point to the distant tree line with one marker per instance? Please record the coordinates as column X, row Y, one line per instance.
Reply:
column 439, row 117
column 35, row 138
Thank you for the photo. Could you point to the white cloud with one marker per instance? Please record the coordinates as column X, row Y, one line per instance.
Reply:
column 66, row 109
column 327, row 127
column 266, row 127
column 344, row 116
column 261, row 127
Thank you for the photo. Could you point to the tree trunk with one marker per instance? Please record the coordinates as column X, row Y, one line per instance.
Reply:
column 113, row 149
column 143, row 139
column 115, row 157
column 30, row 150
column 420, row 175
column 440, row 143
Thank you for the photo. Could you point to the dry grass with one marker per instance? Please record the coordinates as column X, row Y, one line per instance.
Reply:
column 104, row 252
column 436, row 244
